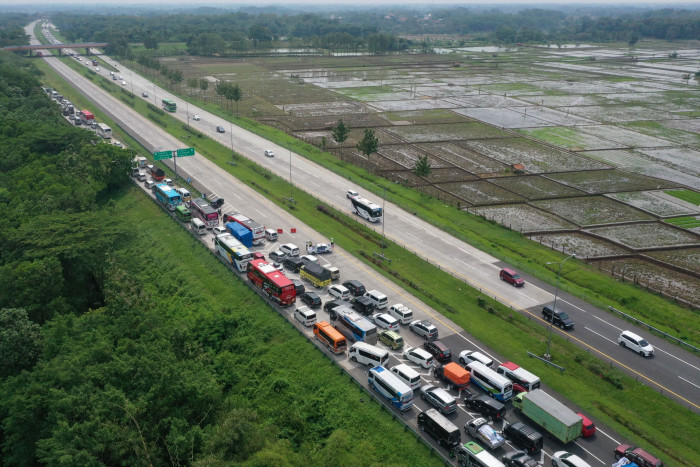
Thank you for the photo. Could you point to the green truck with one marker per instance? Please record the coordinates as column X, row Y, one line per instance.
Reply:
column 560, row 421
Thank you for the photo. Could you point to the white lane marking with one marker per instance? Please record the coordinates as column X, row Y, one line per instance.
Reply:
column 600, row 335
column 598, row 430
column 689, row 382
column 590, row 453
column 677, row 358
column 263, row 215
column 411, row 235
column 466, row 264
column 234, row 194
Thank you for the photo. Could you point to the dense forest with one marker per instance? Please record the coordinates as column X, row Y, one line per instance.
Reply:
column 374, row 30
column 124, row 342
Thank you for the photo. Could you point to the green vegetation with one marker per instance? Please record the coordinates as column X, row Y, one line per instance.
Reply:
column 686, row 195
column 136, row 364
column 687, row 222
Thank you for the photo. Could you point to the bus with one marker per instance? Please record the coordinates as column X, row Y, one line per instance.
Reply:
column 366, row 209
column 330, row 336
column 391, row 387
column 497, row 386
column 233, row 251
column 473, row 455
column 354, row 326
column 169, row 105
column 273, row 283
column 256, row 228
column 183, row 213
column 203, row 210
column 104, row 131
column 167, row 196
column 523, row 380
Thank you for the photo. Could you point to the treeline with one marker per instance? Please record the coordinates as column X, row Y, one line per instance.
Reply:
column 12, row 29
column 124, row 342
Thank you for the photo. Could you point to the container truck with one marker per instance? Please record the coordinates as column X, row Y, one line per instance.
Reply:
column 242, row 234
column 257, row 229
column 560, row 421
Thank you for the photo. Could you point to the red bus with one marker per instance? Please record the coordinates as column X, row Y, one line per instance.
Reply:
column 203, row 210
column 272, row 282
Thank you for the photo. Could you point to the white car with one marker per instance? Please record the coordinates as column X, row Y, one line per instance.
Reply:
column 468, row 356
column 306, row 259
column 269, row 153
column 401, row 312
column 386, row 321
column 279, row 267
column 97, row 68
column 169, row 181
column 351, row 194
column 340, row 292
column 418, row 356
column 123, row 83
column 566, row 459
column 218, row 230
column 195, row 117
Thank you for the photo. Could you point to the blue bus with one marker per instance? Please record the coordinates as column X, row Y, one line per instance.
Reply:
column 167, row 196
column 390, row 386
column 354, row 326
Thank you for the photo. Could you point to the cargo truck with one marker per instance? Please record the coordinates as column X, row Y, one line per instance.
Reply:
column 453, row 375
column 157, row 173
column 242, row 234
column 560, row 421
column 316, row 274
column 257, row 229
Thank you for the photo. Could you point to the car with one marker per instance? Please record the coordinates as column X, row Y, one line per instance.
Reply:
column 118, row 144
column 439, row 398
column 329, row 306
column 218, row 230
column 468, row 356
column 320, row 248
column 293, row 264
column 114, row 77
column 141, row 177
column 363, row 305
column 510, row 276
column 339, row 292
column 278, row 266
column 356, row 288
column 306, row 259
column 298, row 286
column 588, row 427
column 311, row 299
column 392, row 339
column 567, row 459
column 418, row 356
column 195, row 117
column 637, row 455
column 123, row 83
column 439, row 350
column 220, row 129
column 480, row 429
column 636, row 343
column 385, row 321
column 216, row 202
column 97, row 69
column 144, row 94
column 169, row 181
column 351, row 194
column 269, row 153
column 424, row 328
column 401, row 312
column 557, row 318
column 305, row 315
column 484, row 405
column 277, row 255
column 519, row 459
column 149, row 184
column 258, row 255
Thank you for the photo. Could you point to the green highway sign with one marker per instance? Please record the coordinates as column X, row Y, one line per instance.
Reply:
column 185, row 152
column 162, row 155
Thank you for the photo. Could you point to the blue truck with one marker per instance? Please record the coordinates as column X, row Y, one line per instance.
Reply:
column 242, row 234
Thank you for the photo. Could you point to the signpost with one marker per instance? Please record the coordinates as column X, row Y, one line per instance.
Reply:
column 174, row 155
column 162, row 155
column 185, row 152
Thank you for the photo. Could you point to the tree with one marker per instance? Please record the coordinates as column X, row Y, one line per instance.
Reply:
column 204, row 85
column 422, row 167
column 369, row 143
column 150, row 42
column 340, row 134
column 20, row 341
column 193, row 84
column 235, row 93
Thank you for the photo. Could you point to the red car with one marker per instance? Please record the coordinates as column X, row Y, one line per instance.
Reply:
column 588, row 428
column 258, row 255
column 637, row 455
column 512, row 277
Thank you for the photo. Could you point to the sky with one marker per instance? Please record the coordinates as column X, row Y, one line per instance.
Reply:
column 354, row 3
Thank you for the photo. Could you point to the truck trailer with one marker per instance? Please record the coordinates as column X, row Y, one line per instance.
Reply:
column 256, row 228
column 242, row 234
column 559, row 420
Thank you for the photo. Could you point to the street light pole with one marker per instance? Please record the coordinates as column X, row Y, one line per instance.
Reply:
column 187, row 109
column 383, row 216
column 291, row 185
column 233, row 152
column 547, row 355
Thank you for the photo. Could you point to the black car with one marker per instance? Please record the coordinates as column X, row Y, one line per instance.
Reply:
column 560, row 319
column 486, row 406
column 292, row 264
column 298, row 286
column 438, row 350
column 524, row 437
column 519, row 459
column 220, row 129
column 216, row 202
column 363, row 305
column 328, row 307
column 311, row 299
column 355, row 287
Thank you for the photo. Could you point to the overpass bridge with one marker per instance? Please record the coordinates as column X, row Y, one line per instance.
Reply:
column 30, row 48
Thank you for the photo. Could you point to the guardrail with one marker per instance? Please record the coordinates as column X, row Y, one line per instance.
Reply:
column 653, row 329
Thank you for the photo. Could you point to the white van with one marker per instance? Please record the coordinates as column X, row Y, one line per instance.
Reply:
column 198, row 226
column 635, row 343
column 290, row 249
column 401, row 312
column 408, row 375
column 368, row 354
column 378, row 299
column 184, row 195
column 335, row 273
column 340, row 292
column 305, row 315
column 270, row 235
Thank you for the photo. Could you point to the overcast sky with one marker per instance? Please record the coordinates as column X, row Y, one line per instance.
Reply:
column 340, row 3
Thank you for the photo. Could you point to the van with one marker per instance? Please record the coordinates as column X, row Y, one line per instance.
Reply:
column 635, row 343
column 185, row 195
column 436, row 425
column 334, row 340
column 290, row 249
column 524, row 437
column 270, row 235
column 338, row 291
column 368, row 354
column 363, row 305
column 378, row 299
column 198, row 227
column 335, row 273
column 408, row 375
column 401, row 312
column 141, row 177
column 305, row 315
column 183, row 213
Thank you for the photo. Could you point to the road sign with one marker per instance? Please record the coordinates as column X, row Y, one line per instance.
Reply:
column 162, row 155
column 185, row 152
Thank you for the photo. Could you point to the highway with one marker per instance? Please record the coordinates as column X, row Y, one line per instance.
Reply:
column 594, row 328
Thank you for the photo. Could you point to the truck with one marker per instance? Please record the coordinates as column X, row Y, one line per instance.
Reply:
column 257, row 229
column 480, row 429
column 242, row 234
column 87, row 116
column 316, row 274
column 157, row 173
column 453, row 375
column 95, row 63
column 559, row 420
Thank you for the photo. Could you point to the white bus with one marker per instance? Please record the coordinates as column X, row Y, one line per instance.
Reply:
column 233, row 251
column 367, row 209
column 523, row 380
column 391, row 387
column 104, row 131
column 473, row 455
column 498, row 386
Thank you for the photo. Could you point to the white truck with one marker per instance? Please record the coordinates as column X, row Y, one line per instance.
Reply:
column 480, row 429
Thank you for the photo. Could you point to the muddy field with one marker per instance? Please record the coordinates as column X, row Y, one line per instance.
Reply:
column 539, row 139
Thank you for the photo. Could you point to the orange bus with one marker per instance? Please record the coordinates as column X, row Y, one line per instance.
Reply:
column 330, row 336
